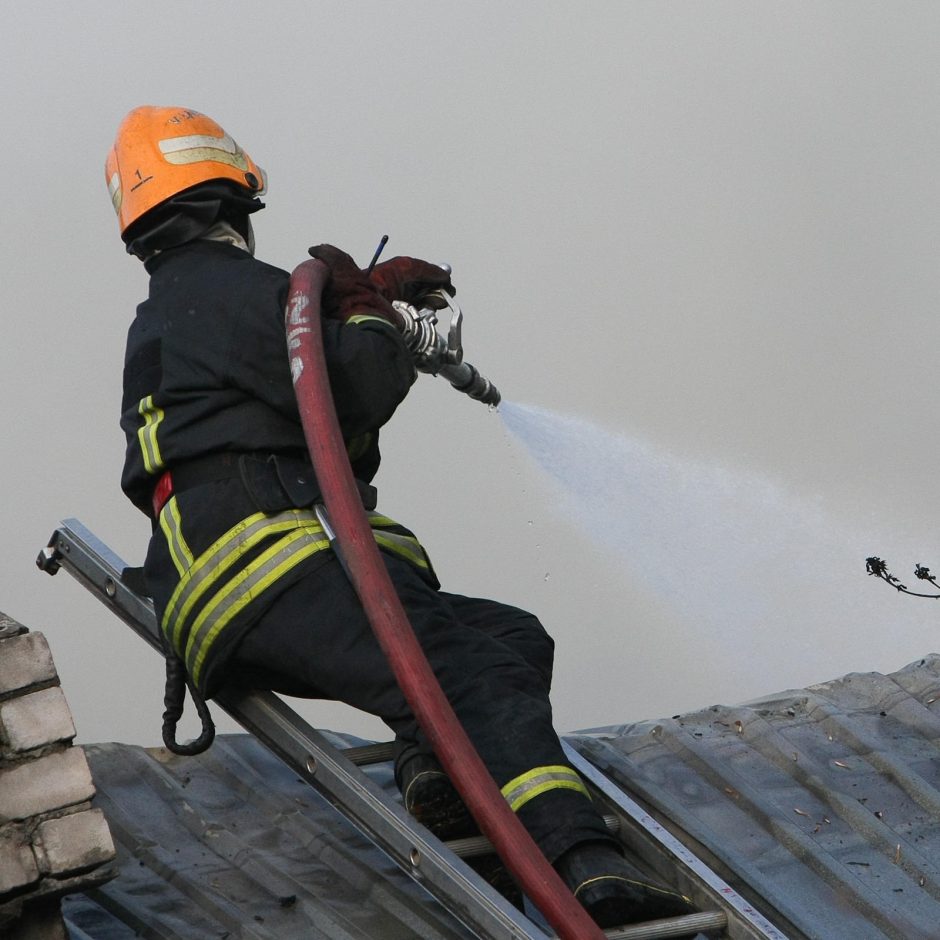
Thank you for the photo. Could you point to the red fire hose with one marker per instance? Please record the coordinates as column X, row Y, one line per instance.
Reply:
column 390, row 624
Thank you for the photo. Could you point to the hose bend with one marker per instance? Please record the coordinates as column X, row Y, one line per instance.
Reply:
column 390, row 624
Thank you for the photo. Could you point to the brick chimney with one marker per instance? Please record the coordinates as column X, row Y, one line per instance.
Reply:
column 52, row 842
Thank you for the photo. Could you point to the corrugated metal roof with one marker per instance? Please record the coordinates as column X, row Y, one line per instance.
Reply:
column 822, row 806
column 233, row 844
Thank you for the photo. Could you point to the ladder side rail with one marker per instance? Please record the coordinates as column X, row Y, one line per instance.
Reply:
column 98, row 569
column 420, row 854
column 310, row 755
column 744, row 921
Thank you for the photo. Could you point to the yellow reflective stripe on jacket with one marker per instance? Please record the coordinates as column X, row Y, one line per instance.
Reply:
column 212, row 564
column 533, row 782
column 365, row 317
column 271, row 565
column 172, row 529
column 147, row 434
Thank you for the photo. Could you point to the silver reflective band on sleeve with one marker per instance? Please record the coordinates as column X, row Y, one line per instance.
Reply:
column 540, row 780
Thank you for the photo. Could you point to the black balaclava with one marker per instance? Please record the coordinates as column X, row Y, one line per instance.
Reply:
column 188, row 214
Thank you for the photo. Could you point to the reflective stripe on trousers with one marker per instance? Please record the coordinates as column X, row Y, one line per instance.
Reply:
column 539, row 780
column 218, row 585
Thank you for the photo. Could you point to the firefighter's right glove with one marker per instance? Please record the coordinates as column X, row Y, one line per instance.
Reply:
column 348, row 291
column 412, row 280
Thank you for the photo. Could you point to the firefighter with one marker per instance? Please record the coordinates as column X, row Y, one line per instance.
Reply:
column 244, row 584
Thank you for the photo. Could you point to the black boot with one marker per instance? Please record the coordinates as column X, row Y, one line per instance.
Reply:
column 434, row 802
column 612, row 890
column 432, row 799
column 492, row 870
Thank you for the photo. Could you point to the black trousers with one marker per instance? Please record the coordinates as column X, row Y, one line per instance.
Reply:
column 493, row 661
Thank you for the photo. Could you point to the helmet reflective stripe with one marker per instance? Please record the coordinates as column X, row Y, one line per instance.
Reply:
column 539, row 780
column 198, row 147
column 114, row 190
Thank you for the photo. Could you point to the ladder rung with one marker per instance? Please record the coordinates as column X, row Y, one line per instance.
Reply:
column 671, row 927
column 369, row 753
column 473, row 846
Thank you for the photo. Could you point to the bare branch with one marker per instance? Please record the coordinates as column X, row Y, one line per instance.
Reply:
column 876, row 566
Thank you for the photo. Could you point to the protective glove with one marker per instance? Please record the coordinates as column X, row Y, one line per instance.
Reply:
column 410, row 279
column 348, row 292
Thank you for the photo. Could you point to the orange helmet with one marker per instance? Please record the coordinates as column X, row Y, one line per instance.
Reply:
column 159, row 152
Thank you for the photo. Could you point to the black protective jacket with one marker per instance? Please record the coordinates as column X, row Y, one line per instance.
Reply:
column 207, row 374
column 243, row 583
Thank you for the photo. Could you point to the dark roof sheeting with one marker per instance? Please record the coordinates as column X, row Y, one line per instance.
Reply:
column 233, row 844
column 822, row 806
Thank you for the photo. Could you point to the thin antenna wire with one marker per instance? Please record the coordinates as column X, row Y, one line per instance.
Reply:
column 378, row 251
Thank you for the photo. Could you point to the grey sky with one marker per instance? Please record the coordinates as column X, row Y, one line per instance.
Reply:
column 712, row 225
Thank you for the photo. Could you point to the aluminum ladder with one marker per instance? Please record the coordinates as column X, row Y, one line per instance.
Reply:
column 437, row 866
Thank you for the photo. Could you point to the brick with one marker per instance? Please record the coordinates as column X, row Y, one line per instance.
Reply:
column 74, row 843
column 25, row 660
column 18, row 866
column 49, row 783
column 10, row 627
column 35, row 719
